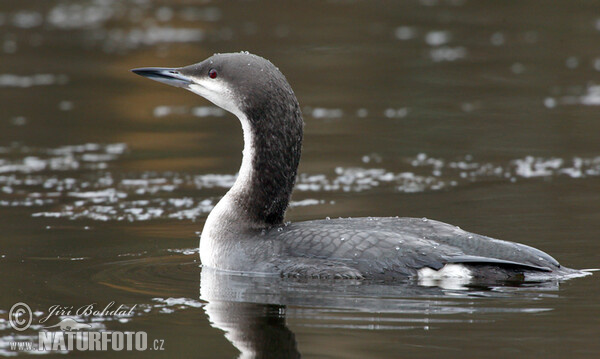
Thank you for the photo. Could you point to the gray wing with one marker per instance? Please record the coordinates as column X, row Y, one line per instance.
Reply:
column 384, row 247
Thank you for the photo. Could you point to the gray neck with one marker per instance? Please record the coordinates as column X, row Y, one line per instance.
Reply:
column 262, row 191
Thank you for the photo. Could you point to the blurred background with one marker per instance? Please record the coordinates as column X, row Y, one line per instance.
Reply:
column 483, row 114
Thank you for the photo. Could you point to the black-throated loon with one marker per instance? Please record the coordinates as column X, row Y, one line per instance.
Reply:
column 245, row 231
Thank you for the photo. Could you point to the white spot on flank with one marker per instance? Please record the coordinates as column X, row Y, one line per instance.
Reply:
column 450, row 276
column 447, row 271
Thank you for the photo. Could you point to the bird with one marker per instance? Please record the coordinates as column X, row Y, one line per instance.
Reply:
column 246, row 233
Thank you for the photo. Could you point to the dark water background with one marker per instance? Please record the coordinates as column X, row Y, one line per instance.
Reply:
column 484, row 114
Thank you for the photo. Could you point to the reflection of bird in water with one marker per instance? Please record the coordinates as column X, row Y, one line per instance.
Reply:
column 245, row 231
column 256, row 330
column 253, row 311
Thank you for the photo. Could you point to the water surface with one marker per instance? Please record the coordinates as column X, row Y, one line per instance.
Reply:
column 481, row 114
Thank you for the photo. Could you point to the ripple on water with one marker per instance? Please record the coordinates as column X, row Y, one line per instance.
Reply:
column 169, row 285
column 51, row 179
column 24, row 81
column 316, row 112
column 198, row 111
column 350, row 305
column 153, row 284
column 591, row 96
column 113, row 25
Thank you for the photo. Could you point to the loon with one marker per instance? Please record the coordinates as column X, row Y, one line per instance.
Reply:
column 246, row 233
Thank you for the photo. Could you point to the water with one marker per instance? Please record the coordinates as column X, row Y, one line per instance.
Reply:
column 480, row 114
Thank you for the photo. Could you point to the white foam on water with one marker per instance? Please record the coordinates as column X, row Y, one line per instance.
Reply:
column 45, row 178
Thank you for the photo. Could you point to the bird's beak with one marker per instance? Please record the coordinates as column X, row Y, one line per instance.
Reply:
column 169, row 76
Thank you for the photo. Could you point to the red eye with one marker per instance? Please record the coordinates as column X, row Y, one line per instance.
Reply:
column 212, row 73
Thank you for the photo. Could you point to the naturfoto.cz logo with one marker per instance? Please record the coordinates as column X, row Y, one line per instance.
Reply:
column 71, row 333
